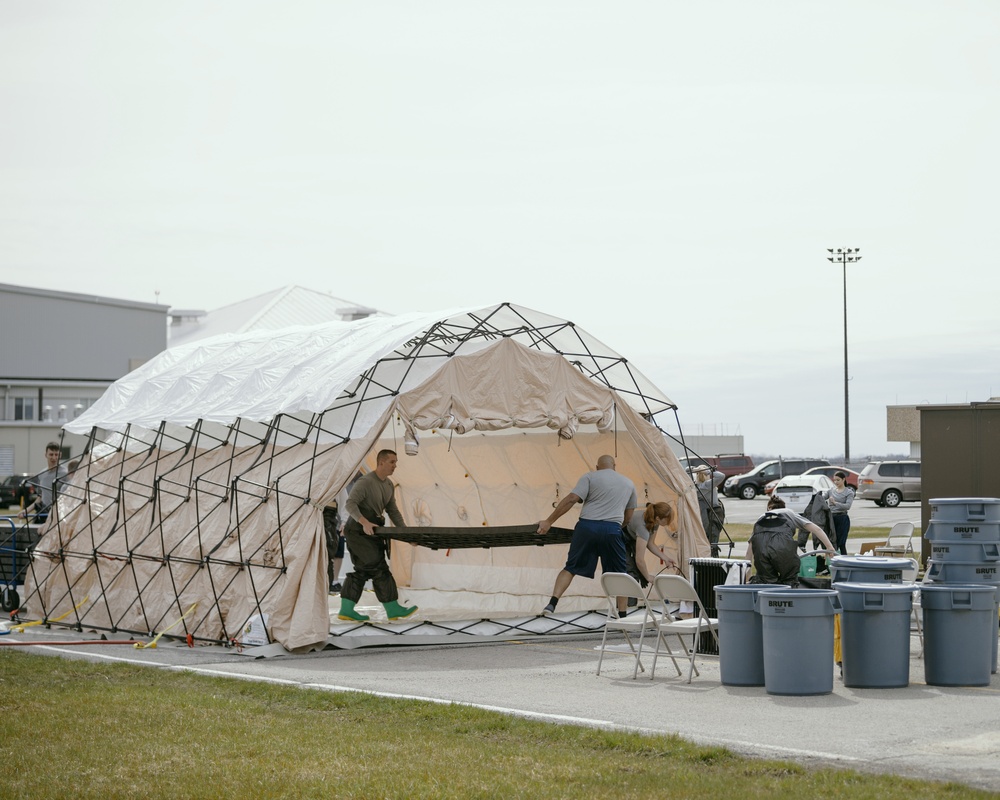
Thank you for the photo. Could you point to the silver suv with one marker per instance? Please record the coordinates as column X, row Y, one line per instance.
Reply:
column 889, row 483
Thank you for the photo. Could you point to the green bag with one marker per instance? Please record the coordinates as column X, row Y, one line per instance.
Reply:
column 807, row 567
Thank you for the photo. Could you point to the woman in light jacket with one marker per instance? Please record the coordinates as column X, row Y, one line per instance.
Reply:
column 839, row 499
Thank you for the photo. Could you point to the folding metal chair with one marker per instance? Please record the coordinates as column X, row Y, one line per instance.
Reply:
column 899, row 542
column 674, row 589
column 620, row 584
column 910, row 575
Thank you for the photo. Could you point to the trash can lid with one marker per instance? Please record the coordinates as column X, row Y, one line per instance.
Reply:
column 974, row 596
column 868, row 588
column 870, row 562
column 944, row 501
column 931, row 587
column 877, row 597
column 748, row 587
column 799, row 602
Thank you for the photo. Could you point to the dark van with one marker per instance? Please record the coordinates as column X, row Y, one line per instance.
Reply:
column 735, row 464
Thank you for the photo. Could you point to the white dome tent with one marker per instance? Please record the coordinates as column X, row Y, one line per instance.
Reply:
column 201, row 491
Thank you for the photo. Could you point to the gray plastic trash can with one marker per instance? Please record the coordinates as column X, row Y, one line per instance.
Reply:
column 972, row 573
column 984, row 532
column 875, row 634
column 741, row 641
column 797, row 628
column 965, row 509
column 950, row 550
column 958, row 625
column 868, row 569
column 993, row 637
column 963, row 572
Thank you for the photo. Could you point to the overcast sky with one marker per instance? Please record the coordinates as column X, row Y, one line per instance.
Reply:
column 666, row 174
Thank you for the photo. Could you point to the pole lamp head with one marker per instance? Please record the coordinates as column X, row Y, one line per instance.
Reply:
column 845, row 255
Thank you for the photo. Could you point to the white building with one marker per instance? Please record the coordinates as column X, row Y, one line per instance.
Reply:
column 60, row 352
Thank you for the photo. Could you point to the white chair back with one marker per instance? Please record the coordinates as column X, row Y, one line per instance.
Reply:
column 675, row 588
column 900, row 534
column 620, row 584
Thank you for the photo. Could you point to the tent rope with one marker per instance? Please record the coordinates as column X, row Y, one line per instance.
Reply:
column 614, row 410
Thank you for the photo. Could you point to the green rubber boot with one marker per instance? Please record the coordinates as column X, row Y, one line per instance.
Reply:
column 394, row 610
column 347, row 611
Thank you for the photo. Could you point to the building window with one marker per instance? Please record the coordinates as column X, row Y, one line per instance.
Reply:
column 24, row 408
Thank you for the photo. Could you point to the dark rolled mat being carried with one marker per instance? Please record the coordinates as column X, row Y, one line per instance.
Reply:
column 458, row 538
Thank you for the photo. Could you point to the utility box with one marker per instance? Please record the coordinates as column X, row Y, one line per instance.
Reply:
column 960, row 454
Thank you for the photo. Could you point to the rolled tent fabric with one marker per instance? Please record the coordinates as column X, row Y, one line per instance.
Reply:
column 507, row 385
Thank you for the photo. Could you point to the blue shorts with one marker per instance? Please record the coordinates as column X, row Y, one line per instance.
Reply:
column 593, row 539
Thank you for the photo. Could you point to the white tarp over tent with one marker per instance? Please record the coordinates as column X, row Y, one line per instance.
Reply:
column 209, row 467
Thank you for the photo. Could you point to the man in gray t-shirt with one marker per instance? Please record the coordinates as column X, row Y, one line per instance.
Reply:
column 608, row 500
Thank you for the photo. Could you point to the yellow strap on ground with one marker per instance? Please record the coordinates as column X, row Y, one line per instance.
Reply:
column 152, row 644
column 20, row 628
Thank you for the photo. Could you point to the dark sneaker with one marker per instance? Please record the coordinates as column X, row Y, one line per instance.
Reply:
column 549, row 609
column 335, row 588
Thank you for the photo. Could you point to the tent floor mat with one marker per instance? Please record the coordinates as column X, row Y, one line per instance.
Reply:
column 352, row 635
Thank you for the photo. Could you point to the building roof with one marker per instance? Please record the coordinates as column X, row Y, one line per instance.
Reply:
column 281, row 308
column 90, row 299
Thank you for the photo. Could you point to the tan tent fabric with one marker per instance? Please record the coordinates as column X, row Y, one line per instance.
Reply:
column 515, row 478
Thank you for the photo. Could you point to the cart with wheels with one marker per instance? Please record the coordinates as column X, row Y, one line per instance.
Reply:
column 8, row 564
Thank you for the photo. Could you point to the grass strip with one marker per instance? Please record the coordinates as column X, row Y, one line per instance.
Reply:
column 95, row 730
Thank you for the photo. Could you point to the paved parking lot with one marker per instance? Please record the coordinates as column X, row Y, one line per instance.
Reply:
column 864, row 513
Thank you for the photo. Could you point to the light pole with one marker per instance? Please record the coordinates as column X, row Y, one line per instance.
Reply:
column 845, row 256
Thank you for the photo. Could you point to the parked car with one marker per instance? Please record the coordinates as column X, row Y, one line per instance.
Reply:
column 888, row 483
column 852, row 476
column 797, row 490
column 728, row 464
column 751, row 484
column 12, row 487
